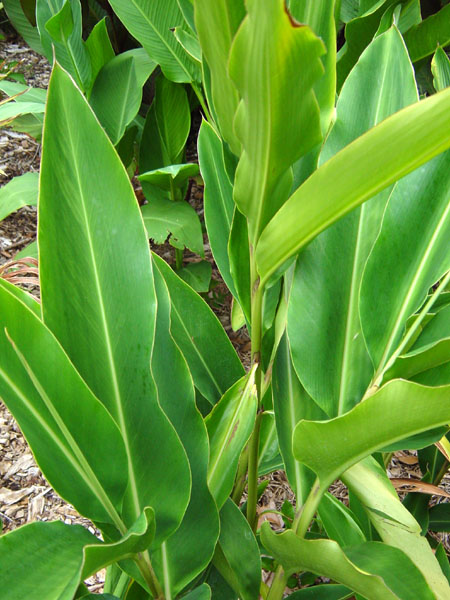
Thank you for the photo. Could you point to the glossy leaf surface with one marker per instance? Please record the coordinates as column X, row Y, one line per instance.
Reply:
column 109, row 309
column 319, row 444
column 20, row 191
column 397, row 146
column 59, row 415
column 176, row 563
column 264, row 65
column 224, row 18
column 212, row 360
column 20, row 22
column 150, row 22
column 331, row 267
column 440, row 67
column 229, row 426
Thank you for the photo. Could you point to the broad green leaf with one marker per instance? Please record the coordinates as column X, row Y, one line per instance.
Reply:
column 269, row 457
column 441, row 555
column 339, row 522
column 189, row 43
column 440, row 67
column 237, row 556
column 212, row 360
column 320, row 17
column 229, row 426
column 23, row 93
column 201, row 593
column 71, row 550
column 411, row 263
column 64, row 40
column 27, row 299
column 239, row 256
column 224, row 18
column 109, row 309
column 166, row 127
column 398, row 145
column 167, row 177
column 30, row 251
column 440, row 517
column 218, row 199
column 176, row 564
column 331, row 591
column 162, row 218
column 116, row 95
column 404, row 16
column 151, row 22
column 31, row 124
column 423, row 39
column 58, row 414
column 99, row 48
column 20, row 22
column 277, row 92
column 291, row 404
column 197, row 275
column 368, row 481
column 359, row 32
column 326, row 558
column 319, row 444
column 331, row 267
column 187, row 8
column 435, row 376
column 20, row 191
column 10, row 110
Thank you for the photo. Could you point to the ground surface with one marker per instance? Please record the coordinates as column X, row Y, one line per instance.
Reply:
column 25, row 496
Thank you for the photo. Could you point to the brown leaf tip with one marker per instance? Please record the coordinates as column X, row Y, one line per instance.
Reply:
column 294, row 23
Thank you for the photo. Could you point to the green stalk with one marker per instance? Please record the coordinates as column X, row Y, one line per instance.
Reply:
column 203, row 104
column 241, row 477
column 252, row 498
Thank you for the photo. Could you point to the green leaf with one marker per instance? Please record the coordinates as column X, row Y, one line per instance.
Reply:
column 423, row 39
column 237, row 557
column 99, row 48
column 331, row 267
column 20, row 191
column 441, row 555
column 73, row 552
column 239, row 256
column 24, row 92
column 64, row 39
column 339, row 522
column 264, row 65
column 398, row 145
column 320, row 17
column 162, row 218
column 218, row 199
column 151, row 24
column 176, row 564
column 197, row 275
column 224, row 18
column 319, row 444
column 59, row 416
column 269, row 458
column 440, row 67
column 291, row 404
column 326, row 558
column 167, row 177
column 203, row 592
column 166, row 127
column 229, row 426
column 10, row 110
column 411, row 264
column 440, row 517
column 368, row 481
column 212, row 360
column 187, row 8
column 323, row 592
column 189, row 43
column 116, row 95
column 27, row 299
column 110, row 339
column 30, row 251
column 20, row 22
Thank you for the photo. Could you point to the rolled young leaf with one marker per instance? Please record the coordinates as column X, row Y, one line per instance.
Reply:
column 397, row 146
column 229, row 426
column 107, row 321
column 277, row 120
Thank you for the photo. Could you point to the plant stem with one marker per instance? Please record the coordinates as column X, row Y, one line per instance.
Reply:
column 147, row 572
column 252, row 498
column 178, row 258
column 241, row 476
